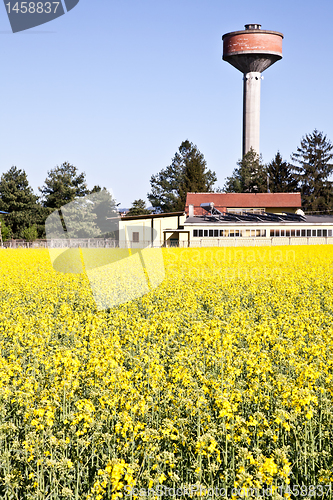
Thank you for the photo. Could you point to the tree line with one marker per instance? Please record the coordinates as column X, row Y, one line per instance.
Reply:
column 309, row 172
column 28, row 212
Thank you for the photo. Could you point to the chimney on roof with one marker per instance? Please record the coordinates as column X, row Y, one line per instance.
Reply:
column 191, row 210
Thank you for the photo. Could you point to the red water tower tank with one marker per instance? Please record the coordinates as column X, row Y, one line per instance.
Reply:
column 252, row 51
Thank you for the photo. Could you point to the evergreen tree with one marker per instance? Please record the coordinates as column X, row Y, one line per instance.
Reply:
column 312, row 168
column 138, row 208
column 249, row 177
column 281, row 178
column 63, row 185
column 187, row 173
column 17, row 198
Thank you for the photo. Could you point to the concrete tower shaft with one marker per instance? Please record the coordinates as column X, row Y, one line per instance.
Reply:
column 252, row 51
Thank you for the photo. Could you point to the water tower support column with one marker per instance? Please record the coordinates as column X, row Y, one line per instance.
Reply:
column 251, row 111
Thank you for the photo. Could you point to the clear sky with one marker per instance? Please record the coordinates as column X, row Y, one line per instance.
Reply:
column 114, row 87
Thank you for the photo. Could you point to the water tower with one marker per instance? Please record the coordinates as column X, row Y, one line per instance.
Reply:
column 252, row 51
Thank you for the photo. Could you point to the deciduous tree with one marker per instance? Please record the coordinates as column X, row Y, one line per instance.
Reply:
column 138, row 208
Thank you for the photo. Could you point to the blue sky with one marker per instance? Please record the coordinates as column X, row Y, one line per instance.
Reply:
column 115, row 86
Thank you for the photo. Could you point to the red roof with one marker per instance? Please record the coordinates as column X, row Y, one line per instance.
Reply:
column 222, row 201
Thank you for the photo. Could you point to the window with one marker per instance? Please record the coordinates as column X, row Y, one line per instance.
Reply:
column 277, row 232
column 308, row 232
column 206, row 232
column 263, row 233
column 271, row 233
column 313, row 232
column 211, row 232
column 292, row 232
column 329, row 232
column 318, row 232
column 303, row 232
column 283, row 232
column 240, row 211
column 135, row 237
column 221, row 232
column 200, row 233
column 288, row 232
column 298, row 232
column 216, row 233
column 325, row 232
column 195, row 233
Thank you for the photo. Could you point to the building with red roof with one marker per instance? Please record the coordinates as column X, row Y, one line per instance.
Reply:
column 240, row 202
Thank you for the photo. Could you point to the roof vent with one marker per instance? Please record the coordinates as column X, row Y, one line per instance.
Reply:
column 252, row 26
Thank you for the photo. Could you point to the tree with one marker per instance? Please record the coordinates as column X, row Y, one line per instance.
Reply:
column 138, row 208
column 5, row 230
column 249, row 177
column 63, row 185
column 187, row 173
column 312, row 168
column 30, row 233
column 281, row 178
column 17, row 198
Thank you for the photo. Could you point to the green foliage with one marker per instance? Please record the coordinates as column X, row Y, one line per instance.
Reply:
column 187, row 173
column 92, row 216
column 17, row 198
column 312, row 168
column 249, row 177
column 63, row 185
column 30, row 233
column 281, row 178
column 5, row 231
column 139, row 208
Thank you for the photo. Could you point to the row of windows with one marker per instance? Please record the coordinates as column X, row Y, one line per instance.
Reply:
column 250, row 233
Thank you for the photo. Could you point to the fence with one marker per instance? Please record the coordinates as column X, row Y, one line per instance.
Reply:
column 195, row 243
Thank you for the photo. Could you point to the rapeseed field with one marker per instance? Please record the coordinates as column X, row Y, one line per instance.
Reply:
column 218, row 380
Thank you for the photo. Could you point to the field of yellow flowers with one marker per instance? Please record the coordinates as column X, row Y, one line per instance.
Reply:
column 221, row 377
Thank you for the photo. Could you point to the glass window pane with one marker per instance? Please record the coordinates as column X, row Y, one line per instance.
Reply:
column 195, row 232
column 200, row 233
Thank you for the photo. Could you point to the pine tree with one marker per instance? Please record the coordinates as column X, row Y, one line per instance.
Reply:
column 17, row 198
column 281, row 178
column 249, row 177
column 63, row 185
column 138, row 208
column 187, row 173
column 312, row 168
